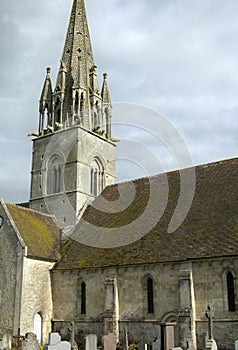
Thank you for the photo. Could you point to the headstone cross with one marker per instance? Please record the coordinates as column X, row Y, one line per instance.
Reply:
column 72, row 331
column 210, row 316
column 18, row 337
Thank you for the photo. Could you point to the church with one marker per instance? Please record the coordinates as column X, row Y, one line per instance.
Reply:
column 125, row 258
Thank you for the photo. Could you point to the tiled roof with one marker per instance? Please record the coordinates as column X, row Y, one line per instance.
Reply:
column 39, row 232
column 209, row 230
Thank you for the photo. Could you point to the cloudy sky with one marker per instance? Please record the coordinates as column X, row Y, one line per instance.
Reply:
column 176, row 57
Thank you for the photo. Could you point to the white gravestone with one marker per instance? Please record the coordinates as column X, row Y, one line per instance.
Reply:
column 55, row 343
column 91, row 342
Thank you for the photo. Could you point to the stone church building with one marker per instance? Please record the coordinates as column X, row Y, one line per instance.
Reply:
column 85, row 250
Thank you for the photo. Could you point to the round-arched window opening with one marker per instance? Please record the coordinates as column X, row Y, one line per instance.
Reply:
column 1, row 221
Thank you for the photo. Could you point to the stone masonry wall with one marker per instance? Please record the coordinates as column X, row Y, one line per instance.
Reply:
column 209, row 288
column 132, row 299
column 77, row 148
column 36, row 296
column 10, row 257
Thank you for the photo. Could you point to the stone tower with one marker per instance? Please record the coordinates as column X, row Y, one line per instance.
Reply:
column 73, row 153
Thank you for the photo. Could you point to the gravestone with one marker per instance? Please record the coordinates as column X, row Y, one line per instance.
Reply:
column 91, row 342
column 210, row 316
column 211, row 344
column 30, row 342
column 55, row 343
column 156, row 345
column 109, row 342
column 236, row 345
column 5, row 342
column 142, row 345
column 73, row 343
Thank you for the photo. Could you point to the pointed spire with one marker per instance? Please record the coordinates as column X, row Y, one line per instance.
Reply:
column 46, row 94
column 77, row 41
column 94, row 81
column 61, row 78
column 76, row 99
column 106, row 99
column 78, row 63
column 107, row 106
column 45, row 103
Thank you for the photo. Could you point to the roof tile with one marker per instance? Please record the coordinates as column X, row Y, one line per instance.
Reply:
column 209, row 230
column 39, row 232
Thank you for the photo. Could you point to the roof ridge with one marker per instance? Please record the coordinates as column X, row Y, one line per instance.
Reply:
column 203, row 165
column 31, row 210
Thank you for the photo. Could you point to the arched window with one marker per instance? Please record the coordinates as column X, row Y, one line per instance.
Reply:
column 55, row 174
column 150, row 296
column 38, row 327
column 230, row 292
column 57, row 110
column 108, row 123
column 96, row 117
column 97, row 177
column 76, row 107
column 81, row 105
column 83, row 298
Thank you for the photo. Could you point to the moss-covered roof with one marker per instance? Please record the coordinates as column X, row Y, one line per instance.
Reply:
column 209, row 230
column 39, row 232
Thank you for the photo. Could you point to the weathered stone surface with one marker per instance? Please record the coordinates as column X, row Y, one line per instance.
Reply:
column 36, row 283
column 156, row 345
column 5, row 342
column 23, row 281
column 83, row 146
column 141, row 345
column 10, row 272
column 133, row 302
column 30, row 342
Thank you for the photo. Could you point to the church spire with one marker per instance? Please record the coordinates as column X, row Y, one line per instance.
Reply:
column 74, row 116
column 76, row 99
column 74, row 104
column 77, row 41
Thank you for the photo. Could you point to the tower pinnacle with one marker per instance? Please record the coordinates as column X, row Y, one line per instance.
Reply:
column 76, row 99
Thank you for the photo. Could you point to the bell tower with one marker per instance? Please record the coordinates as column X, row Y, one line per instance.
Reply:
column 73, row 153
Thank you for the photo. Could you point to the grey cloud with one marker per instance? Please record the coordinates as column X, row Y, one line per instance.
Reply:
column 178, row 58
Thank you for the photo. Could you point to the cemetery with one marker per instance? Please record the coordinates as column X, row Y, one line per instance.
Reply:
column 107, row 342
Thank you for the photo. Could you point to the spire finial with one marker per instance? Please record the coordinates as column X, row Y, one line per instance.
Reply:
column 105, row 76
